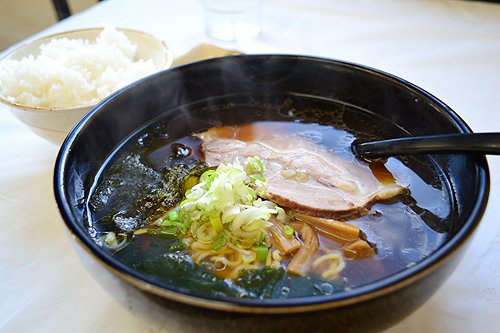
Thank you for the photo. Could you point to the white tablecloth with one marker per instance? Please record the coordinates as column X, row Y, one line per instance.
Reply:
column 449, row 48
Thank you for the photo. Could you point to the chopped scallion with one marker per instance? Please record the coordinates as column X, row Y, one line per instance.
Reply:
column 288, row 231
column 173, row 216
column 262, row 253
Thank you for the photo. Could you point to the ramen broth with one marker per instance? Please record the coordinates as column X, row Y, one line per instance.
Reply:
column 133, row 190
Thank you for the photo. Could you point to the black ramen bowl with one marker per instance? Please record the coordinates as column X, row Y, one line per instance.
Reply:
column 206, row 93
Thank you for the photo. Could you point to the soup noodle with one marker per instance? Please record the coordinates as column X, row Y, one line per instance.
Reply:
column 150, row 209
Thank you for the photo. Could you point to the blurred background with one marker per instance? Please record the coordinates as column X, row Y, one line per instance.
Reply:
column 20, row 19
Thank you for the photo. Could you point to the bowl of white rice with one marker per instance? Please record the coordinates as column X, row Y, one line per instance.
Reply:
column 52, row 82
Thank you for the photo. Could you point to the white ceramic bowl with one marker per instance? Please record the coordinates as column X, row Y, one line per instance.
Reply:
column 53, row 123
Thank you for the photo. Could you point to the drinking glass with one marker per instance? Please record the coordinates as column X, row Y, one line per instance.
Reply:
column 231, row 20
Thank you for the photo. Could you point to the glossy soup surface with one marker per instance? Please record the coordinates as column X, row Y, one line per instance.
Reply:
column 132, row 190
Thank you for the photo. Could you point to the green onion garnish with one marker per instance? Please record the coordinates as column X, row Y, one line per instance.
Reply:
column 173, row 216
column 262, row 253
column 288, row 231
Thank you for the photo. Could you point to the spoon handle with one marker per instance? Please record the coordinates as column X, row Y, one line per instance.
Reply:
column 481, row 143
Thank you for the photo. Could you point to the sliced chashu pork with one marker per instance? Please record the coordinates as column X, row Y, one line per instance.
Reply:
column 304, row 176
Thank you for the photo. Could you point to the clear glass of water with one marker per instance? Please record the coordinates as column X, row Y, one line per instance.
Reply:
column 231, row 20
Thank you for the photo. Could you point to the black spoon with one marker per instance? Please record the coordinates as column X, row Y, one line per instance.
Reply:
column 479, row 143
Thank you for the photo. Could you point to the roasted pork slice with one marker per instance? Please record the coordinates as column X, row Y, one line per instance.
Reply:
column 303, row 175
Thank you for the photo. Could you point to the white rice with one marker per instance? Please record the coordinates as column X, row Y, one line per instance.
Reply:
column 73, row 72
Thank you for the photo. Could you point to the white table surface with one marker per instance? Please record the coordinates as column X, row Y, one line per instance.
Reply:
column 449, row 48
